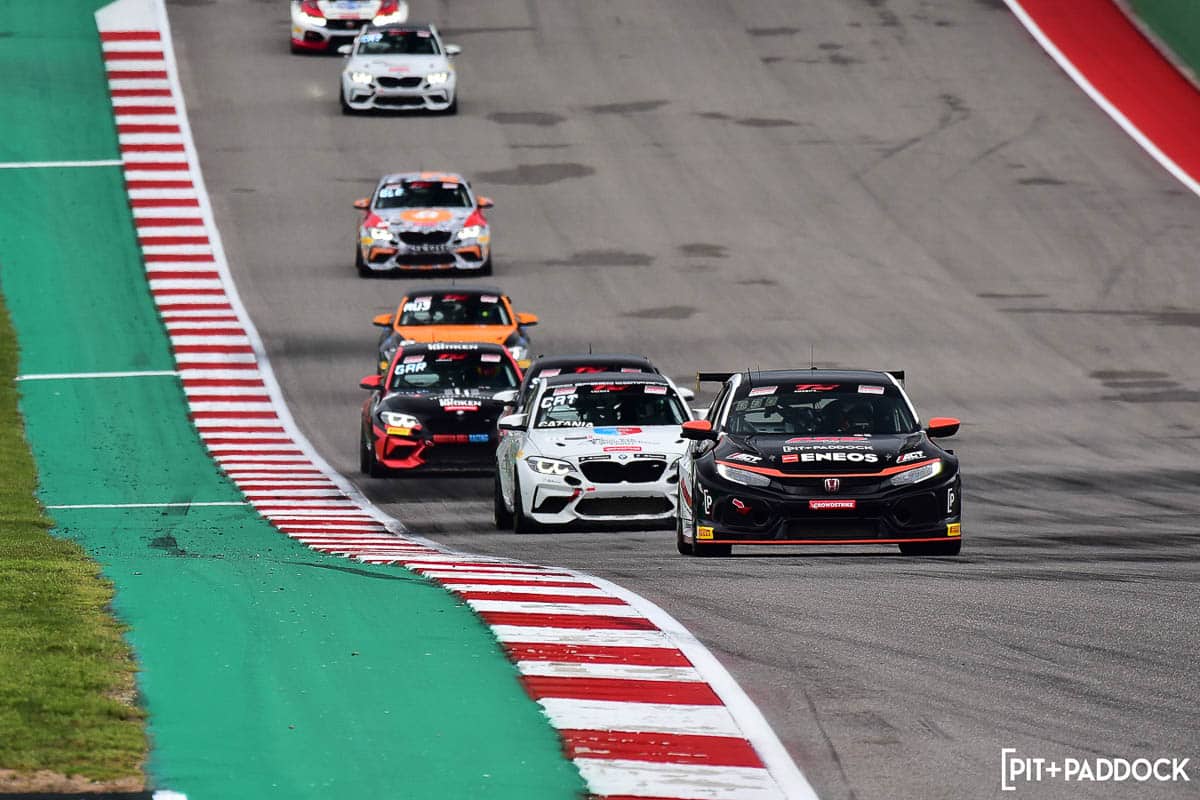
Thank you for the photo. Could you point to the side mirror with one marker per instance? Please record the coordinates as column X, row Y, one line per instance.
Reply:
column 698, row 430
column 346, row 49
column 506, row 396
column 372, row 382
column 512, row 422
column 942, row 427
column 362, row 203
column 486, row 202
column 527, row 319
column 685, row 394
column 382, row 320
column 452, row 49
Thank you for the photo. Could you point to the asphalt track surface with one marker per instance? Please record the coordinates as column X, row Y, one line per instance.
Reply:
column 896, row 184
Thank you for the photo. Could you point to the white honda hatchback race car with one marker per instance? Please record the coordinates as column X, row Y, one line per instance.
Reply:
column 398, row 68
column 599, row 448
column 324, row 25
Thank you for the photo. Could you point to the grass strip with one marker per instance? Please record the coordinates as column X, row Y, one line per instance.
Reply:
column 67, row 697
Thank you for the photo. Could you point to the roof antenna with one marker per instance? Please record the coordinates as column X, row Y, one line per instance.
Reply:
column 812, row 358
column 589, row 348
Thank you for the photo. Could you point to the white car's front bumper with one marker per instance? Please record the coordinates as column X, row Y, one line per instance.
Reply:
column 398, row 97
column 555, row 500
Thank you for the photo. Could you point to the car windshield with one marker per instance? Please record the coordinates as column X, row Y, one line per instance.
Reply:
column 821, row 410
column 423, row 194
column 452, row 369
column 454, row 309
column 589, row 405
column 398, row 43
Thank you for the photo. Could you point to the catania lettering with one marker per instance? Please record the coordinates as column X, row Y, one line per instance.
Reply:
column 866, row 458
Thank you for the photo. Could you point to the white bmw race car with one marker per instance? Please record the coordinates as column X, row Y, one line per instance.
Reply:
column 399, row 68
column 322, row 26
column 602, row 447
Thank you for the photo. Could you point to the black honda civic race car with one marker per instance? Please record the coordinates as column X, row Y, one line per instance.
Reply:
column 435, row 408
column 817, row 457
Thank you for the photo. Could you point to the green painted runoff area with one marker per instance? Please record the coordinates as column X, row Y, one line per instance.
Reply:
column 1177, row 24
column 267, row 670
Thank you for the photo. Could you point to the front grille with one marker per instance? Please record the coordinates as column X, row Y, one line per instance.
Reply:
column 388, row 82
column 830, row 528
column 640, row 471
column 553, row 505
column 421, row 259
column 622, row 506
column 423, row 238
column 345, row 24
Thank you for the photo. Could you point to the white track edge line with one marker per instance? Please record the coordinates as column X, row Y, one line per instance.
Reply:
column 107, row 162
column 1099, row 99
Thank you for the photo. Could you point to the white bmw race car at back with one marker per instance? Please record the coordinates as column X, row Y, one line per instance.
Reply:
column 324, row 25
column 593, row 448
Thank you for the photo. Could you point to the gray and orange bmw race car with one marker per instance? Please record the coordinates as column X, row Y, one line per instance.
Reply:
column 817, row 457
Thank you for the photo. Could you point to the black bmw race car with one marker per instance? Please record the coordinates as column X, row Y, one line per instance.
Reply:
column 817, row 457
column 435, row 408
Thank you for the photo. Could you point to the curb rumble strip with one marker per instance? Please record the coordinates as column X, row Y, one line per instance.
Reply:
column 643, row 709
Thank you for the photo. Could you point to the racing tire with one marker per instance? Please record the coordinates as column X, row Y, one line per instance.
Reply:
column 360, row 265
column 486, row 269
column 452, row 109
column 681, row 544
column 500, row 515
column 367, row 463
column 521, row 523
column 346, row 109
column 947, row 548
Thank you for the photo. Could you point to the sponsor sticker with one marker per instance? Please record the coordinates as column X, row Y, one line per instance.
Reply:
column 616, row 431
column 449, row 185
column 489, row 358
column 915, row 455
column 452, row 357
column 398, row 431
column 870, row 390
column 478, row 438
column 413, row 359
column 411, row 369
column 704, row 532
column 832, row 505
column 749, row 458
column 816, row 387
column 656, row 390
column 549, row 373
column 630, row 369
column 954, row 529
column 561, row 390
column 759, row 391
column 488, row 298
column 418, row 304
column 790, row 458
column 623, row 448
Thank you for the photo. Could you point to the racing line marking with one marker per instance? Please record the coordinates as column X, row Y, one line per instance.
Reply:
column 59, row 164
column 642, row 707
column 68, row 376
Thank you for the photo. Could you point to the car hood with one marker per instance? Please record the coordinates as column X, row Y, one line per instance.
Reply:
column 398, row 66
column 615, row 441
column 424, row 219
column 800, row 455
column 364, row 10
column 461, row 403
column 493, row 334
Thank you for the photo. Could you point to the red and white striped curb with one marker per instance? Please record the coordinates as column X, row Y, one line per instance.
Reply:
column 644, row 710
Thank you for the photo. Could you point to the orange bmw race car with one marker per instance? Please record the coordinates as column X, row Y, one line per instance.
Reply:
column 454, row 314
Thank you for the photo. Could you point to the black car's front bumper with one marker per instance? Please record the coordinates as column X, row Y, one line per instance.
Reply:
column 729, row 513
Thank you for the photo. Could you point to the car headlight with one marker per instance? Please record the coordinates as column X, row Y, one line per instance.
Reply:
column 922, row 473
column 388, row 19
column 549, row 466
column 380, row 233
column 361, row 77
column 470, row 232
column 742, row 476
column 309, row 19
column 437, row 78
column 394, row 419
